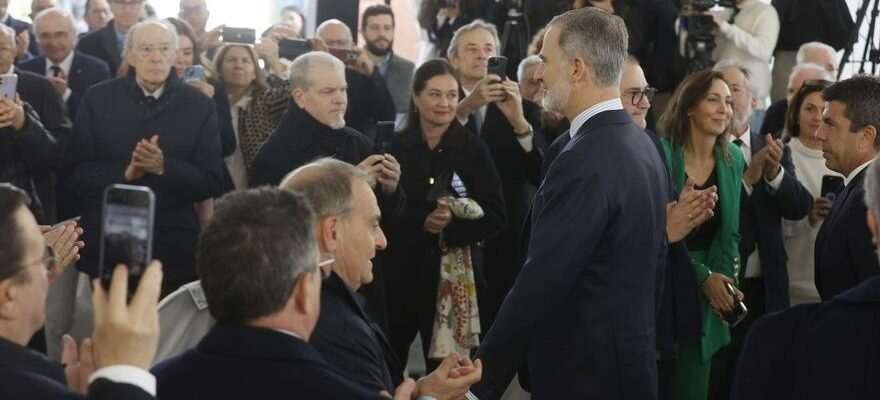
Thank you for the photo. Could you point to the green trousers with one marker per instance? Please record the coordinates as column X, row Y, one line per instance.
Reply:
column 692, row 372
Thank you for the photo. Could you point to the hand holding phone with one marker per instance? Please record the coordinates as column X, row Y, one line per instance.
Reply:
column 497, row 66
column 239, row 35
column 739, row 311
column 126, row 232
column 831, row 185
column 384, row 134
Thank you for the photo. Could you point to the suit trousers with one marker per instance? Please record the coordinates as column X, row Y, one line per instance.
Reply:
column 725, row 360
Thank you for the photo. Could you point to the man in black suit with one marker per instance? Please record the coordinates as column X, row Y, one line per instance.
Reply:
column 819, row 351
column 125, row 334
column 581, row 313
column 770, row 192
column 262, row 277
column 493, row 108
column 850, row 140
column 108, row 42
column 163, row 134
column 24, row 33
column 71, row 71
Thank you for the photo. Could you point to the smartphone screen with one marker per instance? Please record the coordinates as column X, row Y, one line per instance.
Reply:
column 126, row 232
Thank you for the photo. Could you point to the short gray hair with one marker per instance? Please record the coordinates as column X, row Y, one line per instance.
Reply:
column 474, row 25
column 129, row 38
column 747, row 73
column 806, row 47
column 524, row 65
column 329, row 186
column 71, row 20
column 8, row 32
column 598, row 37
column 334, row 22
column 302, row 67
column 818, row 69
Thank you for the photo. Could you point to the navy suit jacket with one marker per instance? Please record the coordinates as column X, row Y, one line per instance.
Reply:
column 845, row 255
column 815, row 351
column 241, row 362
column 26, row 374
column 18, row 26
column 760, row 225
column 85, row 71
column 101, row 44
column 581, row 313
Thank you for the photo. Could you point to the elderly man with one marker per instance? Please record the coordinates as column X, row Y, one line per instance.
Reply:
column 377, row 26
column 39, row 5
column 368, row 95
column 125, row 334
column 24, row 34
column 822, row 350
column 108, row 42
column 850, row 136
column 581, row 278
column 819, row 57
column 492, row 108
column 770, row 192
column 268, row 311
column 97, row 14
column 71, row 71
column 554, row 124
column 815, row 52
column 161, row 133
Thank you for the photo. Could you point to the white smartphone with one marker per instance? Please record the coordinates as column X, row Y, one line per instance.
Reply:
column 8, row 83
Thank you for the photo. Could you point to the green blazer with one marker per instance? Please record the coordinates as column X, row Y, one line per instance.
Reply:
column 723, row 255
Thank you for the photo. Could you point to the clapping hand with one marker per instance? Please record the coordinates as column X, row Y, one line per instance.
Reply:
column 147, row 157
column 692, row 209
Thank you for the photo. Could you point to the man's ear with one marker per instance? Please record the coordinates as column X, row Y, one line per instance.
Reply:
column 870, row 136
column 298, row 97
column 9, row 291
column 328, row 239
column 307, row 293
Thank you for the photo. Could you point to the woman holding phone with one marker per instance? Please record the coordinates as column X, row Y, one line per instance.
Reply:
column 696, row 127
column 438, row 158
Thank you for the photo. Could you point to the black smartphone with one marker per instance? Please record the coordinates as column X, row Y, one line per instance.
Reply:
column 384, row 134
column 739, row 312
column 348, row 57
column 498, row 66
column 290, row 49
column 831, row 185
column 239, row 35
column 126, row 232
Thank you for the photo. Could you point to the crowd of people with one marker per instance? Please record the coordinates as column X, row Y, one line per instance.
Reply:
column 596, row 223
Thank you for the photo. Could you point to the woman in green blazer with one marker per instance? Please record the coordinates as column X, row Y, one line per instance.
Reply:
column 695, row 127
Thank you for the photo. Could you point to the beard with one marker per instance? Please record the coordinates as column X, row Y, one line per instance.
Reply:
column 554, row 99
column 371, row 47
column 338, row 124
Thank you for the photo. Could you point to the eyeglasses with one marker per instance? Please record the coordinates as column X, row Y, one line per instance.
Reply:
column 145, row 50
column 48, row 259
column 638, row 95
column 325, row 272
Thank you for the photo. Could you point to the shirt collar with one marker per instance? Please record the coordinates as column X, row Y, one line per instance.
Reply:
column 383, row 65
column 157, row 94
column 65, row 64
column 584, row 116
column 856, row 171
column 286, row 332
column 746, row 138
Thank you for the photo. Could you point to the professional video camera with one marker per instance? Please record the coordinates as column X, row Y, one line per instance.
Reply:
column 701, row 33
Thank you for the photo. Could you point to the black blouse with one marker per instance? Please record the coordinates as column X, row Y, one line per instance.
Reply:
column 701, row 237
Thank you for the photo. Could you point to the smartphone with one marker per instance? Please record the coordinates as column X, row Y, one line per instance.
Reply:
column 739, row 312
column 498, row 66
column 239, row 35
column 126, row 232
column 8, row 84
column 290, row 49
column 194, row 73
column 384, row 134
column 348, row 57
column 831, row 185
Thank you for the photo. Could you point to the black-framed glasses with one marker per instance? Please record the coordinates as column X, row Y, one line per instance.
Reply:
column 637, row 95
column 48, row 259
column 325, row 272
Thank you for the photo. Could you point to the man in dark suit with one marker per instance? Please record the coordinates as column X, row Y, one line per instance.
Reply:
column 162, row 134
column 581, row 313
column 125, row 335
column 770, row 192
column 377, row 27
column 819, row 351
column 850, row 140
column 71, row 71
column 267, row 311
column 493, row 108
column 108, row 42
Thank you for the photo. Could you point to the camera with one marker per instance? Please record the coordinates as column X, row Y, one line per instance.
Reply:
column 705, row 5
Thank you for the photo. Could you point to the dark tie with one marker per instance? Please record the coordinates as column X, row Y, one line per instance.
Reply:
column 56, row 70
column 738, row 143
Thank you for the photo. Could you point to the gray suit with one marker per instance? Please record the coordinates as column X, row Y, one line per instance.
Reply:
column 398, row 77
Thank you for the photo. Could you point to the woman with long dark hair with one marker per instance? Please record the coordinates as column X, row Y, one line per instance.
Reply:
column 696, row 127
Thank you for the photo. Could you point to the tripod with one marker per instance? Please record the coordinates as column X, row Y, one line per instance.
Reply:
column 516, row 30
column 870, row 53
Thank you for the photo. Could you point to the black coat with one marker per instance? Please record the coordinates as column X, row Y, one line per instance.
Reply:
column 815, row 351
column 26, row 374
column 102, row 44
column 774, row 120
column 760, row 226
column 845, row 255
column 369, row 101
column 240, row 362
column 113, row 117
column 350, row 341
column 581, row 313
column 26, row 156
column 85, row 72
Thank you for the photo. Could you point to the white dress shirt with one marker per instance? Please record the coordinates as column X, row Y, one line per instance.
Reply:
column 584, row 116
column 127, row 374
column 856, row 171
column 65, row 66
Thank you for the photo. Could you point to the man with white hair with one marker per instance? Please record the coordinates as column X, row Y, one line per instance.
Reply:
column 770, row 192
column 72, row 71
column 811, row 69
column 148, row 128
column 368, row 95
column 783, row 61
